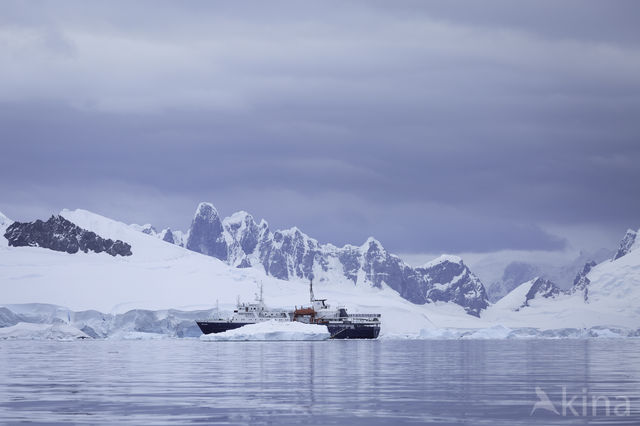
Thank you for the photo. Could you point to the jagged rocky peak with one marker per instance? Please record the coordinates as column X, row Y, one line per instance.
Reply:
column 168, row 236
column 581, row 282
column 206, row 233
column 541, row 287
column 445, row 269
column 373, row 247
column 239, row 220
column 244, row 233
column 626, row 244
column 206, row 211
column 291, row 254
column 60, row 234
column 584, row 271
column 450, row 280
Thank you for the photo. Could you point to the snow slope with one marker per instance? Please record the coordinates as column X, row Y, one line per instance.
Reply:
column 158, row 275
column 4, row 223
column 614, row 300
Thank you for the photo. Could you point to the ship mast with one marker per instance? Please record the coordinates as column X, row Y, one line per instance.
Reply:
column 311, row 290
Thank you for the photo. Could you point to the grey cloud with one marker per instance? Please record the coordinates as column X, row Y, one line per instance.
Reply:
column 432, row 126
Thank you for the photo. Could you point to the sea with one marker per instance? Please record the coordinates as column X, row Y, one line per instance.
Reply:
column 386, row 382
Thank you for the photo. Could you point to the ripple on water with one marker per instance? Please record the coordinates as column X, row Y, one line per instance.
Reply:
column 331, row 382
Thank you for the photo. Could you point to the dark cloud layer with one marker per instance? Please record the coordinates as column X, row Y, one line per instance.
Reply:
column 435, row 126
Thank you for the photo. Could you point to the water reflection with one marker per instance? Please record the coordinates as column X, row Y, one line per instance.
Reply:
column 367, row 382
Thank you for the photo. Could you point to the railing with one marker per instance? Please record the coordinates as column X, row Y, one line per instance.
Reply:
column 364, row 315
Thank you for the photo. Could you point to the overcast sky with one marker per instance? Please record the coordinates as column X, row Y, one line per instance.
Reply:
column 433, row 126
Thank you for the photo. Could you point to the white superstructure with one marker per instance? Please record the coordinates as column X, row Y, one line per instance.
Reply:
column 258, row 312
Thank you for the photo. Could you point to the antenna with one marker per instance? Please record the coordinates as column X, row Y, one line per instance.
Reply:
column 259, row 298
column 311, row 290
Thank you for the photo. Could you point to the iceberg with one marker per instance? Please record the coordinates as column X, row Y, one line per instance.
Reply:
column 30, row 331
column 272, row 330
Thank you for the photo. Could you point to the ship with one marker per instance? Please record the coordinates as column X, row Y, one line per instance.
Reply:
column 244, row 314
column 339, row 323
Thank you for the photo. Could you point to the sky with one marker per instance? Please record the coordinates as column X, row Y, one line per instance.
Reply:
column 435, row 126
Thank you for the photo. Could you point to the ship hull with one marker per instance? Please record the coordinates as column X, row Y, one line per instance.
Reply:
column 210, row 327
column 337, row 331
column 353, row 331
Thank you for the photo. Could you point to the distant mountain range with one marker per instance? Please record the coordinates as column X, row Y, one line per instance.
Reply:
column 290, row 254
column 134, row 268
column 241, row 242
column 616, row 280
column 517, row 272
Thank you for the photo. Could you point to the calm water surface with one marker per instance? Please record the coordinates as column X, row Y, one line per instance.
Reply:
column 332, row 382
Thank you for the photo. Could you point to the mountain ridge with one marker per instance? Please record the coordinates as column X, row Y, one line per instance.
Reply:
column 290, row 254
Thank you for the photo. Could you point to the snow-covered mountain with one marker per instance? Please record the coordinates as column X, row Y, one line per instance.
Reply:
column 515, row 273
column 159, row 276
column 290, row 254
column 563, row 274
column 607, row 293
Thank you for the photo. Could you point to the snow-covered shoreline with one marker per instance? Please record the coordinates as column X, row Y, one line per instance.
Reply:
column 49, row 322
column 132, row 297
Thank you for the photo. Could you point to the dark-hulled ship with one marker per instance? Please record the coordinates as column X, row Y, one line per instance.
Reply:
column 244, row 314
column 339, row 323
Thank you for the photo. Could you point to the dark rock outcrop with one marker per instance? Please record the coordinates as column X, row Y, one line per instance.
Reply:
column 541, row 287
column 59, row 234
column 626, row 243
column 581, row 282
column 168, row 237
